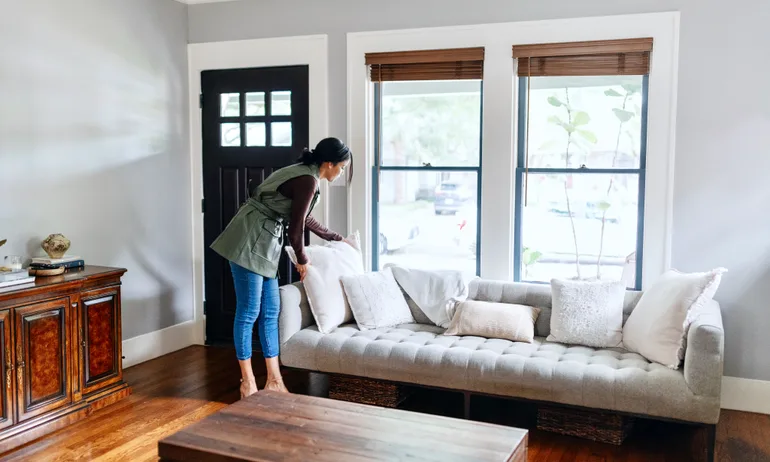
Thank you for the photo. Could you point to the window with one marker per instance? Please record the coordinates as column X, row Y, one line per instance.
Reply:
column 427, row 164
column 581, row 158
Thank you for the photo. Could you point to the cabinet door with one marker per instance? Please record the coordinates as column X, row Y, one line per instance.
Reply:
column 42, row 359
column 6, row 369
column 100, row 338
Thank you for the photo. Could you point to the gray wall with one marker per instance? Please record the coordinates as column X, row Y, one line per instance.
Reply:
column 723, row 130
column 94, row 143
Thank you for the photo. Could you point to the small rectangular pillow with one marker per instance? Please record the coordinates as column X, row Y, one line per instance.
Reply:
column 494, row 320
column 376, row 300
column 588, row 313
column 328, row 263
column 657, row 327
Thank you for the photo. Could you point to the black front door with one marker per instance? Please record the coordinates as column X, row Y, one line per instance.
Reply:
column 255, row 121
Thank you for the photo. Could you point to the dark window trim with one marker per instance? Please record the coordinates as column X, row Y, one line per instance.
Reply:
column 521, row 131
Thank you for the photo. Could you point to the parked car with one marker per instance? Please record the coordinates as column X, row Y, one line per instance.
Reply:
column 396, row 234
column 450, row 197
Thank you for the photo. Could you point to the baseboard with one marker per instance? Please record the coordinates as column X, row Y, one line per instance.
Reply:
column 154, row 344
column 746, row 395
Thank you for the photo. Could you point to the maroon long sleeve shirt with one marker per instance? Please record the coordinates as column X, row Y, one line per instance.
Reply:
column 301, row 190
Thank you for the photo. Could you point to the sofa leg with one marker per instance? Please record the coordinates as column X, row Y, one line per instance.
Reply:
column 466, row 405
column 711, row 442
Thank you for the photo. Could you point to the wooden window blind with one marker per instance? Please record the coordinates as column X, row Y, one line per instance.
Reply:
column 605, row 57
column 448, row 64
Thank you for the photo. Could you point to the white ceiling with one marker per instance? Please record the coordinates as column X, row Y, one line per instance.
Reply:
column 192, row 2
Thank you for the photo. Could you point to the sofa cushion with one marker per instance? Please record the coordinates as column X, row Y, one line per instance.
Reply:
column 538, row 295
column 611, row 379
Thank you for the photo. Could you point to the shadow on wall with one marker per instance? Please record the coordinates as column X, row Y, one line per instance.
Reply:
column 94, row 145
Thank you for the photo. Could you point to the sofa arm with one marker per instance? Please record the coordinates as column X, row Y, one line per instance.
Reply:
column 704, row 354
column 295, row 312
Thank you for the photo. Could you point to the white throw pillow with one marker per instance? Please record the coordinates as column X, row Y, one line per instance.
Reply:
column 494, row 320
column 376, row 300
column 436, row 293
column 326, row 297
column 587, row 313
column 657, row 327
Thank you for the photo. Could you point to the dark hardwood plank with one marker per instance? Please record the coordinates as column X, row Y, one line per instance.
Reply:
column 191, row 384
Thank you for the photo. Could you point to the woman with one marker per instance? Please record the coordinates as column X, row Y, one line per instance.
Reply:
column 253, row 241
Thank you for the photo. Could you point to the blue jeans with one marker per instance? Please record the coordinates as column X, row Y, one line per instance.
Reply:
column 257, row 299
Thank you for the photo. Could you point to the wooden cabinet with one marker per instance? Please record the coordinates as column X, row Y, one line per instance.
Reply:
column 61, row 352
column 7, row 367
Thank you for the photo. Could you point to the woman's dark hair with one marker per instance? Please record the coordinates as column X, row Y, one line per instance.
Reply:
column 328, row 150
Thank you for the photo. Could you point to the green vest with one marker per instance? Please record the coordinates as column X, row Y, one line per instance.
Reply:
column 254, row 237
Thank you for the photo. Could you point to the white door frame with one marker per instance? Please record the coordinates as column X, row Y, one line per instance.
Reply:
column 284, row 51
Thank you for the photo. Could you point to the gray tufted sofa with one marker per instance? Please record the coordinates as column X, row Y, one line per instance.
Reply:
column 609, row 379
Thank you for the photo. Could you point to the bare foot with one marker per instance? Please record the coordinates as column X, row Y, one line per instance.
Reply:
column 248, row 388
column 276, row 385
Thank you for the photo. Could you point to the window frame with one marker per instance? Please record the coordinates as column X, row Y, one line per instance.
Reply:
column 377, row 168
column 521, row 170
column 500, row 118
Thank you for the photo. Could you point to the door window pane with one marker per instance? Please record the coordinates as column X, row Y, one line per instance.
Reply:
column 231, row 134
column 580, row 225
column 431, row 122
column 255, row 104
column 280, row 103
column 591, row 121
column 230, row 105
column 428, row 220
column 255, row 134
column 280, row 133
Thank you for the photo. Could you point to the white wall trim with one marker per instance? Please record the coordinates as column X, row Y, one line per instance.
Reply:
column 498, row 136
column 284, row 51
column 158, row 343
column 746, row 395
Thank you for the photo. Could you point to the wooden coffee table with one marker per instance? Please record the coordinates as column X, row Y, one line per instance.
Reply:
column 271, row 426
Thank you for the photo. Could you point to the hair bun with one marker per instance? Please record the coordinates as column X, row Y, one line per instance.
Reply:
column 307, row 157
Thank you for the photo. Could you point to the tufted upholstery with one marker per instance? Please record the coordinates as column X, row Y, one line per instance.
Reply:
column 417, row 353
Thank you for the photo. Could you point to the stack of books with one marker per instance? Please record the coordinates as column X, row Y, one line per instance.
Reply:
column 67, row 261
column 15, row 277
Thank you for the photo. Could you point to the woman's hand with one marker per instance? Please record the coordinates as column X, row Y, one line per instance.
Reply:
column 302, row 270
column 350, row 243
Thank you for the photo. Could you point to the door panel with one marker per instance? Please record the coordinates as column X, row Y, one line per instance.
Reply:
column 255, row 121
column 100, row 311
column 42, row 358
column 6, row 369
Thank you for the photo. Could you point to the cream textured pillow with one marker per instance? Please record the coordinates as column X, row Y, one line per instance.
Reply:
column 587, row 313
column 657, row 327
column 376, row 300
column 494, row 320
column 328, row 263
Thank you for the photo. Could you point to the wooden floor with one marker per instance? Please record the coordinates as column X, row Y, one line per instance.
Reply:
column 183, row 387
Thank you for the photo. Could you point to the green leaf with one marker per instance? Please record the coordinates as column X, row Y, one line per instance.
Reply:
column 554, row 101
column 632, row 88
column 555, row 120
column 612, row 92
column 622, row 115
column 604, row 206
column 588, row 136
column 581, row 118
column 529, row 256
